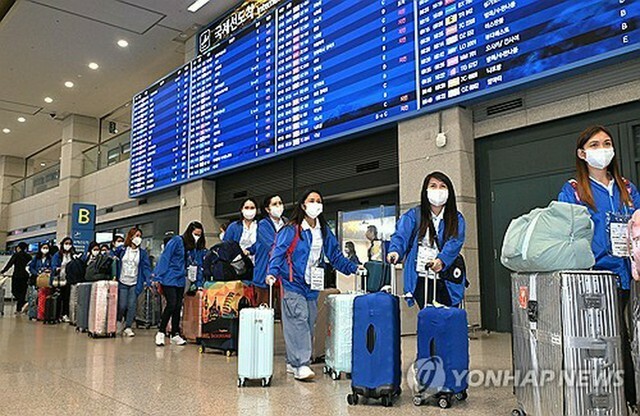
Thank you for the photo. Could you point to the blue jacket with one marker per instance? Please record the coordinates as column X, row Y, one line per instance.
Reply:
column 38, row 266
column 144, row 267
column 279, row 267
column 601, row 244
column 171, row 269
column 234, row 233
column 405, row 242
column 264, row 245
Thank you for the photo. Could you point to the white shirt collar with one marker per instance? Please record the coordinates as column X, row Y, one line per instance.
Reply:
column 607, row 187
column 439, row 217
column 305, row 225
column 252, row 226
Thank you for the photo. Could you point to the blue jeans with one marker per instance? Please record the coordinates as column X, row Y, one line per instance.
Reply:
column 127, row 302
column 298, row 320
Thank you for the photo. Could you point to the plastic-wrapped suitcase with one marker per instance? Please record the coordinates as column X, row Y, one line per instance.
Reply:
column 82, row 309
column 103, row 309
column 340, row 330
column 320, row 329
column 443, row 343
column 32, row 300
column 376, row 361
column 192, row 316
column 221, row 305
column 255, row 344
column 149, row 308
column 73, row 305
column 566, row 324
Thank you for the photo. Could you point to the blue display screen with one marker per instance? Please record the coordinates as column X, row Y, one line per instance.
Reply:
column 311, row 71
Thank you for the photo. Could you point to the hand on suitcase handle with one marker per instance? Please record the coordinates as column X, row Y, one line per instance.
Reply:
column 393, row 257
column 271, row 280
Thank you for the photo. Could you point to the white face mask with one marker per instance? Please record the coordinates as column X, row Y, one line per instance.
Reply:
column 249, row 214
column 438, row 197
column 222, row 236
column 196, row 238
column 314, row 209
column 119, row 244
column 599, row 158
column 137, row 241
column 45, row 251
column 67, row 247
column 95, row 252
column 277, row 211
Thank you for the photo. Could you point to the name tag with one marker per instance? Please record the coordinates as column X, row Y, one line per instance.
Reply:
column 317, row 278
column 425, row 255
column 618, row 233
column 192, row 273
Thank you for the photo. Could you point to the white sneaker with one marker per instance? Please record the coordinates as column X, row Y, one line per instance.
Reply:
column 178, row 340
column 290, row 369
column 128, row 333
column 304, row 373
column 66, row 319
column 160, row 339
column 25, row 308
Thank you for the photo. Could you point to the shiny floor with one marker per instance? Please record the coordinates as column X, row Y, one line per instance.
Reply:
column 52, row 370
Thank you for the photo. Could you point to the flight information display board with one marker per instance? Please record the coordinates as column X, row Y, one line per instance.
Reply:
column 308, row 71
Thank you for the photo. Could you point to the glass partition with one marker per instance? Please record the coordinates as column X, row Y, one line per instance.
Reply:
column 39, row 182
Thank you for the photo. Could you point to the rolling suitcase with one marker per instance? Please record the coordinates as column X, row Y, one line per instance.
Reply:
column 376, row 371
column 2, row 293
column 73, row 304
column 149, row 308
column 103, row 309
column 52, row 307
column 566, row 324
column 192, row 316
column 443, row 343
column 320, row 328
column 340, row 331
column 82, row 308
column 32, row 300
column 255, row 344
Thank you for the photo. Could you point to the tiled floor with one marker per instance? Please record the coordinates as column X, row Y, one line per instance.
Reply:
column 52, row 370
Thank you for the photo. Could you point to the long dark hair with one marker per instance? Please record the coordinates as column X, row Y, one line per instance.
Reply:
column 244, row 201
column 93, row 245
column 582, row 170
column 450, row 210
column 39, row 255
column 265, row 205
column 299, row 214
column 62, row 250
column 187, row 237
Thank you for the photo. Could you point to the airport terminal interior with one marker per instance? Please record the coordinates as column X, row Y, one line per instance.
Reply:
column 249, row 207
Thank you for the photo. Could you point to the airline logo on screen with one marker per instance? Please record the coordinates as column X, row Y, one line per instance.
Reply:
column 243, row 15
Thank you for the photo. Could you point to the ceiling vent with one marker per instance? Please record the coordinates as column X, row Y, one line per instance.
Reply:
column 505, row 107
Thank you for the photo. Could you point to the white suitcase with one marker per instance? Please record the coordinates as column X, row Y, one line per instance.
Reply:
column 255, row 345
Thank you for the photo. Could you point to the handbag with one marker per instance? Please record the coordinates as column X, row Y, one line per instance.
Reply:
column 43, row 280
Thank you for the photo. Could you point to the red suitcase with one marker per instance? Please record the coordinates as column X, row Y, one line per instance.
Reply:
column 43, row 292
column 103, row 309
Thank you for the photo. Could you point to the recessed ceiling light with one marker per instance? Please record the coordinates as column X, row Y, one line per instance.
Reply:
column 123, row 43
column 6, row 131
column 43, row 164
column 69, row 84
column 48, row 100
column 94, row 66
column 22, row 119
column 197, row 5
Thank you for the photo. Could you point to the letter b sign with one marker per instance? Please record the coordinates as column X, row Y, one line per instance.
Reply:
column 84, row 216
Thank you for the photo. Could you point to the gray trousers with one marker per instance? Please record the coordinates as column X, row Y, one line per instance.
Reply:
column 298, row 320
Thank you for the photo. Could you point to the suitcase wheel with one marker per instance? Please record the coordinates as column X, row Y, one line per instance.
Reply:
column 326, row 369
column 387, row 401
column 518, row 412
column 352, row 399
column 202, row 350
column 266, row 382
column 444, row 402
column 417, row 401
column 335, row 375
column 462, row 396
column 228, row 353
column 242, row 383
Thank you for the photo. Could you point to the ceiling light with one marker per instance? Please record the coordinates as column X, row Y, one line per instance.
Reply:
column 197, row 5
column 21, row 119
column 43, row 164
column 6, row 131
column 48, row 100
column 69, row 84
column 94, row 66
column 123, row 43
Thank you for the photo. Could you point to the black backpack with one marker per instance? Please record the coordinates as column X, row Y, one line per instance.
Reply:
column 75, row 270
column 99, row 269
column 227, row 262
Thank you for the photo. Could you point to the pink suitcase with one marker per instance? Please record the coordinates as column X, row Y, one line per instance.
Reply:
column 103, row 309
column 634, row 244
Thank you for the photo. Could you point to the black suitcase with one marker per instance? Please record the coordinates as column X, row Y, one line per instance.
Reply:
column 52, row 308
column 84, row 301
column 149, row 308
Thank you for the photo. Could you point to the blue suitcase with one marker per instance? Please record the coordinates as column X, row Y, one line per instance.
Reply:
column 376, row 371
column 442, row 365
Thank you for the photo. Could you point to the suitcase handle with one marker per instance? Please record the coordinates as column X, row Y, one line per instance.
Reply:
column 362, row 274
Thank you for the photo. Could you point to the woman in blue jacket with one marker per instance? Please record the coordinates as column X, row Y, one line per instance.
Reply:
column 430, row 238
column 298, row 261
column 609, row 197
column 245, row 230
column 133, row 271
column 41, row 263
column 59, row 270
column 268, row 227
column 181, row 261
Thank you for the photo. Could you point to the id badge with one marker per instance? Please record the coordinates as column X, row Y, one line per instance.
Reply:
column 192, row 273
column 425, row 255
column 317, row 278
column 618, row 234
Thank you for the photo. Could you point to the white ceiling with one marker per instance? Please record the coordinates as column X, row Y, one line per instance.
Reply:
column 44, row 43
